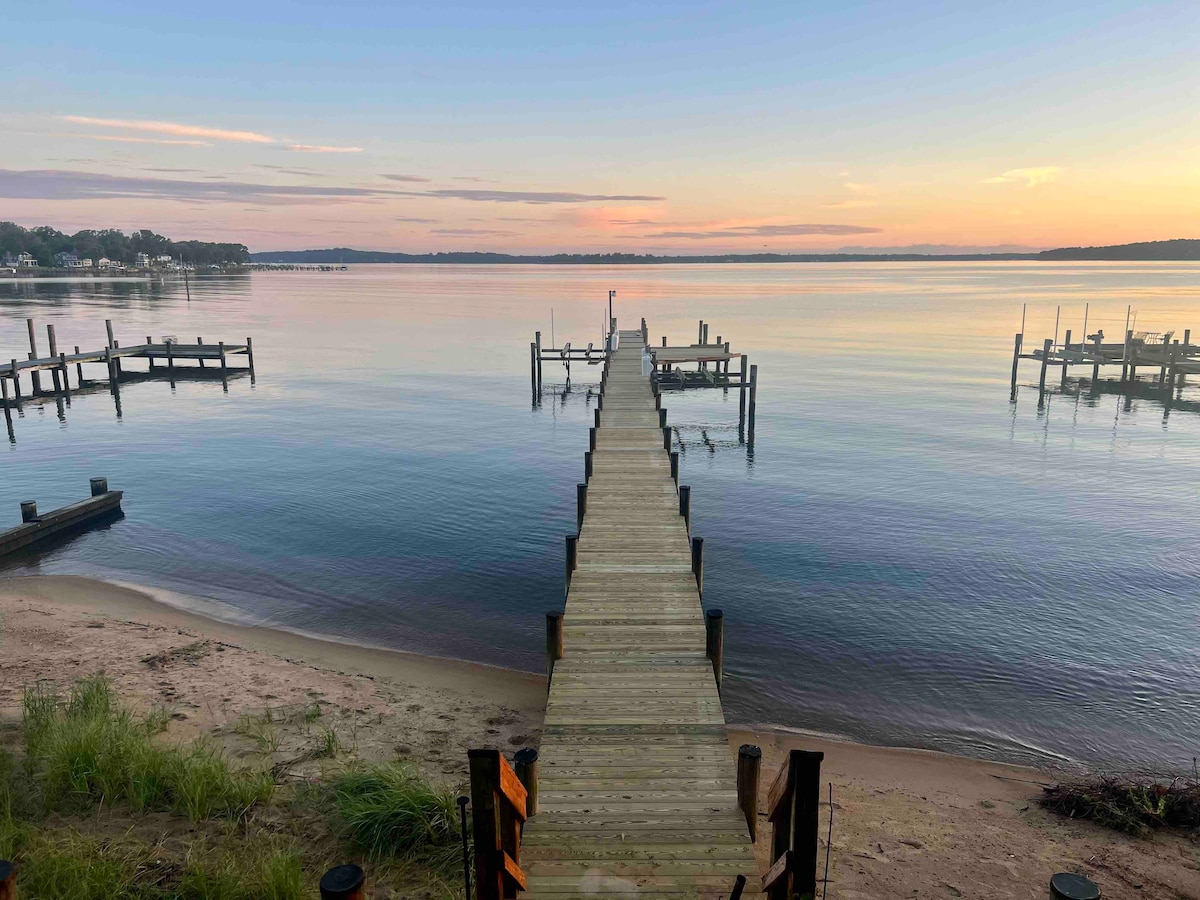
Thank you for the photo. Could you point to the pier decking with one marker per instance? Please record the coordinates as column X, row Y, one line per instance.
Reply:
column 637, row 792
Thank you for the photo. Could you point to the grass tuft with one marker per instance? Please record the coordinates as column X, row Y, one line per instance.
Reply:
column 1135, row 804
column 392, row 811
column 87, row 748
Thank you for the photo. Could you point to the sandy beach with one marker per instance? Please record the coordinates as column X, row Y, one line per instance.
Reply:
column 906, row 823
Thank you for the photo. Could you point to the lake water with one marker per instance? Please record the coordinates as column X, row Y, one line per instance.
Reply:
column 905, row 556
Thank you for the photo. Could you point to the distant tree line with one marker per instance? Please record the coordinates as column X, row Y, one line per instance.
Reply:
column 45, row 243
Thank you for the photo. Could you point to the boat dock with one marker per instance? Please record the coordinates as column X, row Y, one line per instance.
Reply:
column 634, row 791
column 102, row 505
column 164, row 361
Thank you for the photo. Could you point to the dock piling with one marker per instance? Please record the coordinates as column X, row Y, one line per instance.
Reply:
column 596, row 417
column 249, row 359
column 150, row 359
column 35, row 376
column 698, row 563
column 78, row 369
column 592, row 438
column 749, row 767
column 29, row 511
column 1016, row 358
column 666, row 437
column 662, row 417
column 54, row 373
column 580, row 505
column 675, row 467
column 109, row 331
column 572, row 555
column 554, row 641
column 345, row 882
column 714, row 640
column 66, row 380
column 745, row 377
column 685, row 505
column 199, row 343
column 16, row 380
column 1045, row 362
column 587, row 465
column 525, row 764
column 753, row 398
column 99, row 486
column 538, row 341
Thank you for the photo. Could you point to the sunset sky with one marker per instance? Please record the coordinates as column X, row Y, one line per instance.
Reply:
column 639, row 127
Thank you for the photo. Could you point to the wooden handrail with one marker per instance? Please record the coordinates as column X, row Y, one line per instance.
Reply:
column 792, row 805
column 498, row 804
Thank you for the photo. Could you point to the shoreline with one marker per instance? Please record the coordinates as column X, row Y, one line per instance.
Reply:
column 906, row 822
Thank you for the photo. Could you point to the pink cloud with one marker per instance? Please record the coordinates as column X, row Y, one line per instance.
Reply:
column 174, row 128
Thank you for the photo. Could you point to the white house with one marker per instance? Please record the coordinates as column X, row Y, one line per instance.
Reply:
column 27, row 261
column 105, row 263
column 65, row 260
column 143, row 260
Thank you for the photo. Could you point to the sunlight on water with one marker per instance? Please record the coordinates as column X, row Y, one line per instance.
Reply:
column 905, row 557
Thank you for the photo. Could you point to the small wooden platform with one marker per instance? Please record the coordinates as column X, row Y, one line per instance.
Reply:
column 103, row 504
column 637, row 794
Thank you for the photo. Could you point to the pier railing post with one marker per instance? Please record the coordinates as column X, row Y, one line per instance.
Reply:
column 744, row 378
column 753, row 400
column 714, row 642
column 498, row 810
column 99, row 486
column 662, row 417
column 592, row 438
column 34, row 376
column 249, row 358
column 554, row 642
column 66, row 379
column 596, row 417
column 587, row 465
column 749, row 766
column 16, row 380
column 580, row 505
column 533, row 368
column 538, row 342
column 525, row 764
column 793, row 806
column 109, row 331
column 29, row 511
column 345, row 882
column 675, row 468
column 666, row 437
column 1127, row 356
column 199, row 343
column 698, row 563
column 685, row 505
column 54, row 373
column 1096, row 363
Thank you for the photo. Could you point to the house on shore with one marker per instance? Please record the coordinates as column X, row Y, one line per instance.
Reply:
column 21, row 260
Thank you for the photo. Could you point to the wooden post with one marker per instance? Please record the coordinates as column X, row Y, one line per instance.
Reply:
column 149, row 358
column 700, row 333
column 1016, row 358
column 538, row 341
column 112, row 373
column 666, row 438
column 4, row 394
column 8, row 881
column 533, row 354
column 99, row 486
column 657, row 398
column 526, row 766
column 664, row 340
column 793, row 804
column 580, row 505
column 171, row 358
column 1174, row 363
column 685, row 506
column 249, row 358
column 29, row 510
column 16, row 384
column 1067, row 342
column 1162, row 371
column 78, row 369
column 54, row 373
column 108, row 329
column 662, row 417
column 1133, row 356
column 596, row 417
column 554, row 641
column 346, row 882
column 675, row 467
column 499, row 804
column 704, row 337
column 220, row 349
column 749, row 765
column 714, row 643
column 745, row 377
column 572, row 555
column 698, row 563
column 1066, row 349
column 62, row 365
column 753, row 397
column 1096, row 364
column 35, row 376
column 599, row 401
column 1045, row 362
column 587, row 465
column 592, row 438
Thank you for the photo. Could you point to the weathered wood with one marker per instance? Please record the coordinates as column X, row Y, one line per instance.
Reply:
column 525, row 764
column 749, row 765
column 36, row 527
column 554, row 641
column 636, row 785
column 714, row 645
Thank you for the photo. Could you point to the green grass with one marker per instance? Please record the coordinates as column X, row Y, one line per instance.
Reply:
column 391, row 811
column 88, row 749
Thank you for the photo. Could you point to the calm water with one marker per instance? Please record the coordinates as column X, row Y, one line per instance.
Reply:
column 906, row 557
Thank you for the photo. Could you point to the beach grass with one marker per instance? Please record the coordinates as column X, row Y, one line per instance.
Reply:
column 102, row 805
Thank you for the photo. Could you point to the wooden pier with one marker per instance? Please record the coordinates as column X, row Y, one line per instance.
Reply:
column 636, row 792
column 165, row 359
column 102, row 505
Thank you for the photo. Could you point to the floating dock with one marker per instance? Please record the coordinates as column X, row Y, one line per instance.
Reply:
column 102, row 505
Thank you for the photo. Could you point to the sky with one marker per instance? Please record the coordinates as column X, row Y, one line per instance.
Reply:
column 665, row 127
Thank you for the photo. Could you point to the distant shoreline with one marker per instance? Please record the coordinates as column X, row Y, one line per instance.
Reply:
column 1150, row 251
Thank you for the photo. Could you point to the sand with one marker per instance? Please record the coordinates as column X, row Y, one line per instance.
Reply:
column 907, row 823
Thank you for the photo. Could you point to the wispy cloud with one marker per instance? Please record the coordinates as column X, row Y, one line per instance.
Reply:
column 537, row 197
column 470, row 231
column 416, row 220
column 851, row 204
column 173, row 171
column 62, row 184
column 390, row 177
column 759, row 231
column 286, row 170
column 625, row 222
column 473, row 179
column 125, row 139
column 1030, row 177
column 174, row 128
column 320, row 148
column 180, row 130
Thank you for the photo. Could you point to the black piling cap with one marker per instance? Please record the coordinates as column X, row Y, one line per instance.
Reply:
column 526, row 755
column 342, row 879
column 1065, row 886
column 750, row 750
column 715, row 614
column 6, row 869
